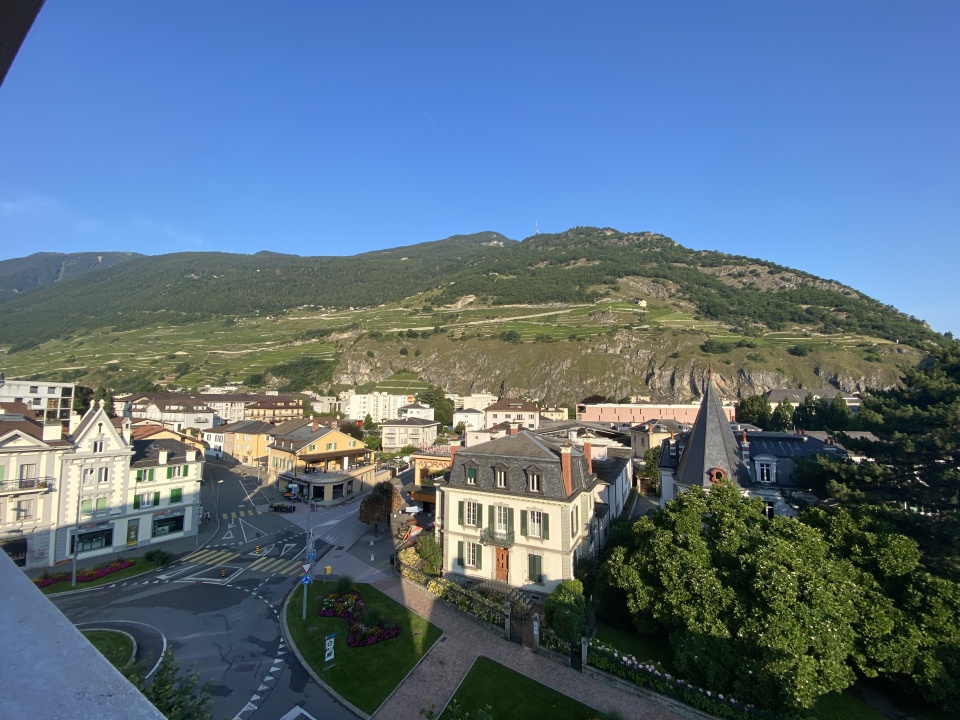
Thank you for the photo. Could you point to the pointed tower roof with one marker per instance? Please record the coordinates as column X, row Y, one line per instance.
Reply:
column 711, row 452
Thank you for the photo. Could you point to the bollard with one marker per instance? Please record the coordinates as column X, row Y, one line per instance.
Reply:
column 223, row 572
column 256, row 550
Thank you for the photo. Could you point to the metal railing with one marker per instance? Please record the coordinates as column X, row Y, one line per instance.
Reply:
column 489, row 536
column 34, row 483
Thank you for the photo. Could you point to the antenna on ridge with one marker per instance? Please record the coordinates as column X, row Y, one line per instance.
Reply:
column 536, row 226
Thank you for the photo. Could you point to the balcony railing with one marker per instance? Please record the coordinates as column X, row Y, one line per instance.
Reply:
column 489, row 536
column 35, row 483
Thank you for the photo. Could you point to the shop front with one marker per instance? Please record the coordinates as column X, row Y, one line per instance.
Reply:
column 167, row 522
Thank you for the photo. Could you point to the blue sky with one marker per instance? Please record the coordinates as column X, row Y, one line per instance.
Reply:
column 819, row 135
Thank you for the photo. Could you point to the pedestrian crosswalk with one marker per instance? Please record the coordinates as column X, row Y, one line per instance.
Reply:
column 265, row 564
column 212, row 557
column 282, row 566
column 239, row 513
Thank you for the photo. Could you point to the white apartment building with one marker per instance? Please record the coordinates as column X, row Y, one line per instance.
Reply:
column 380, row 406
column 48, row 401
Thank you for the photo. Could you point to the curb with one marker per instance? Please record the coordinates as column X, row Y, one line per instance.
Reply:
column 131, row 638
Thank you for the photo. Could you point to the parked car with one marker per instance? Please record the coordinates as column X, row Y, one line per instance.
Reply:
column 282, row 507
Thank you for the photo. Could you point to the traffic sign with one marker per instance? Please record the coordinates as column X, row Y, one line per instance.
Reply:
column 306, row 579
column 311, row 557
column 328, row 647
column 306, row 567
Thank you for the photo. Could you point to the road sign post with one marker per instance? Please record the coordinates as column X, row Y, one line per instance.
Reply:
column 305, row 581
column 328, row 650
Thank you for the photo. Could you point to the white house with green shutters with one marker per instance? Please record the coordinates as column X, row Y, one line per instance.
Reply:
column 164, row 494
column 518, row 510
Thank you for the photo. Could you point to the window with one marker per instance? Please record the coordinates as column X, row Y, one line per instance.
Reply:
column 28, row 471
column 37, row 401
column 575, row 521
column 502, row 519
column 98, row 446
column 103, row 475
column 34, row 388
column 508, row 416
column 499, row 477
column 91, row 506
column 353, row 443
column 175, row 471
column 470, row 559
column 176, row 495
column 535, row 569
column 330, row 446
column 470, row 513
column 535, row 527
column 51, row 391
column 534, row 482
column 770, row 509
column 88, row 477
column 146, row 500
column 471, row 476
column 765, row 472
column 24, row 509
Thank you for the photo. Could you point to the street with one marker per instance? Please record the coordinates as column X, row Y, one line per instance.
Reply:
column 218, row 606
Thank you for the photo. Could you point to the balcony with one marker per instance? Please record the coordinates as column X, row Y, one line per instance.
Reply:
column 34, row 483
column 489, row 536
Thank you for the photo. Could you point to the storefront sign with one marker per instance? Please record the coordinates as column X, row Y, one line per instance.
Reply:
column 171, row 513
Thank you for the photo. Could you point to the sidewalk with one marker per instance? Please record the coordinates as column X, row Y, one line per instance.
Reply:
column 435, row 680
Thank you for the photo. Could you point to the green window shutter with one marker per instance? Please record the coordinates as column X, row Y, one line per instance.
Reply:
column 186, row 471
column 156, row 498
column 460, row 516
column 545, row 523
column 491, row 517
column 151, row 475
column 169, row 473
column 136, row 502
column 523, row 523
column 479, row 516
column 479, row 557
column 139, row 475
column 532, row 567
column 510, row 520
column 460, row 551
column 176, row 495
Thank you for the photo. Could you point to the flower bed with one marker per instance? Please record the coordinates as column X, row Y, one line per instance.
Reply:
column 606, row 658
column 351, row 608
column 88, row 575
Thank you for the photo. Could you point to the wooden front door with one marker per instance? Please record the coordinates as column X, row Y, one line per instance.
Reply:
column 503, row 565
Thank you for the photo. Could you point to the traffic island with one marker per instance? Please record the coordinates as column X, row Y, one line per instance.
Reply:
column 365, row 676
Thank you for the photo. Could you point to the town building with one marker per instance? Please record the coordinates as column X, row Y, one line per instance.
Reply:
column 797, row 396
column 760, row 464
column 175, row 411
column 633, row 414
column 164, row 496
column 246, row 442
column 512, row 410
column 48, row 401
column 415, row 410
column 318, row 464
column 475, row 401
column 518, row 510
column 398, row 434
column 653, row 432
column 471, row 418
column 30, row 457
column 555, row 413
column 379, row 406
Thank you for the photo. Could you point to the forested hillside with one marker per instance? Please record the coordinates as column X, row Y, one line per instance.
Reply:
column 580, row 265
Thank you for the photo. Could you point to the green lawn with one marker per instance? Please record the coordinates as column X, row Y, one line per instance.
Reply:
column 512, row 696
column 115, row 647
column 365, row 676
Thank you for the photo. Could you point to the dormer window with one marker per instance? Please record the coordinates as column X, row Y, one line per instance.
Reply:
column 766, row 473
column 534, row 480
column 471, row 476
column 717, row 475
column 97, row 446
column 499, row 477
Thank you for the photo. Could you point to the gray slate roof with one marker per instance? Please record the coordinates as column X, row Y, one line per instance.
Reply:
column 710, row 445
column 519, row 455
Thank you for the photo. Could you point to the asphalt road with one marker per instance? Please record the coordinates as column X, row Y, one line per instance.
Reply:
column 218, row 608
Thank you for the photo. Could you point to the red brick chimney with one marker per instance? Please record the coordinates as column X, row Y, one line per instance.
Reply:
column 316, row 424
column 588, row 454
column 514, row 429
column 565, row 469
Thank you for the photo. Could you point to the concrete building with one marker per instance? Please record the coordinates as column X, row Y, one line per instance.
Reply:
column 475, row 401
column 472, row 418
column 517, row 510
column 652, row 433
column 48, row 401
column 415, row 410
column 164, row 496
column 633, row 414
column 379, row 406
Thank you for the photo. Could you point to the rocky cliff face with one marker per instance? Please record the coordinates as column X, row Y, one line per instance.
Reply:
column 665, row 367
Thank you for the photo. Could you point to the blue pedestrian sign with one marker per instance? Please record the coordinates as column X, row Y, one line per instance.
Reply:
column 306, row 580
column 311, row 557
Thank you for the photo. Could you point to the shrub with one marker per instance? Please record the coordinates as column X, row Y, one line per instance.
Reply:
column 158, row 557
column 344, row 585
column 565, row 610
